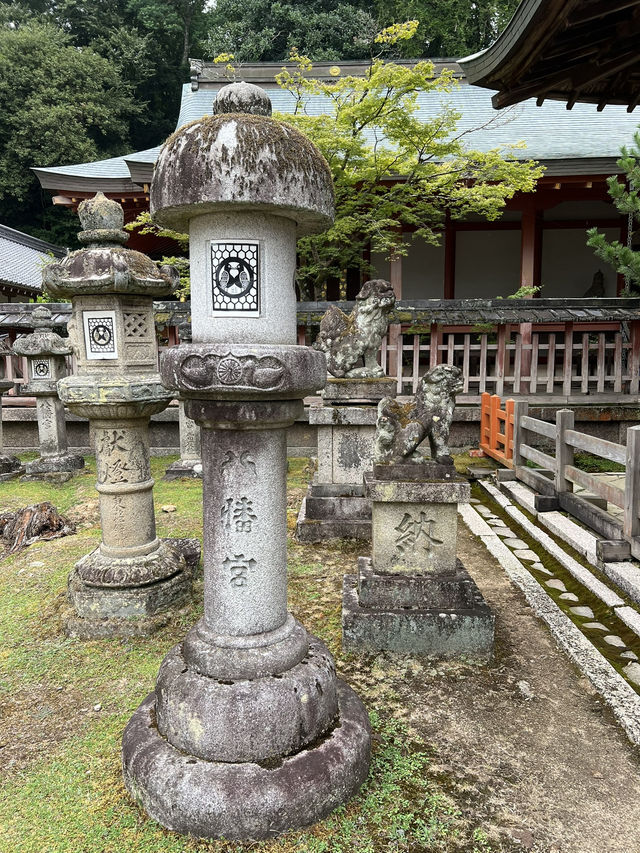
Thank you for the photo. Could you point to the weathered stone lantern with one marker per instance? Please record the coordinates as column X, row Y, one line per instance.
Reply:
column 249, row 732
column 133, row 579
column 45, row 352
column 10, row 466
column 189, row 466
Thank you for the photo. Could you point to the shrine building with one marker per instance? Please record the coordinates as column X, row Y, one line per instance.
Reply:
column 540, row 238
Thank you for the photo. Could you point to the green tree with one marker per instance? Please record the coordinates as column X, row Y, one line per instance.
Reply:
column 448, row 28
column 59, row 104
column 149, row 42
column 625, row 194
column 263, row 30
column 391, row 169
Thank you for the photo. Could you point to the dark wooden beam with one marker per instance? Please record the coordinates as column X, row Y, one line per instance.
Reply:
column 600, row 9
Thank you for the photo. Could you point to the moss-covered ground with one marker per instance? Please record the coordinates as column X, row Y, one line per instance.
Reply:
column 65, row 702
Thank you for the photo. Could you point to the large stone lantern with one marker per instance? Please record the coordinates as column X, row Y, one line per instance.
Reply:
column 249, row 732
column 45, row 352
column 133, row 579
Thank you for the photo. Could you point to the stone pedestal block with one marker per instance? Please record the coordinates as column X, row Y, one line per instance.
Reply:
column 415, row 524
column 335, row 506
column 414, row 595
column 440, row 632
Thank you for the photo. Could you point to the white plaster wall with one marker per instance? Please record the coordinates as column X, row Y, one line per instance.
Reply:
column 568, row 264
column 422, row 270
column 487, row 263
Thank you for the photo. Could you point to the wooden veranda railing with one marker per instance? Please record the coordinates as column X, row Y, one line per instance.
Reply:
column 560, row 362
column 556, row 350
column 549, row 467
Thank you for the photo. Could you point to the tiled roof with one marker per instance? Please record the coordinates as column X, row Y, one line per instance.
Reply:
column 22, row 258
column 582, row 140
column 454, row 312
column 450, row 312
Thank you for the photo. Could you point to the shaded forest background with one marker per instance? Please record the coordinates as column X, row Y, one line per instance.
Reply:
column 82, row 80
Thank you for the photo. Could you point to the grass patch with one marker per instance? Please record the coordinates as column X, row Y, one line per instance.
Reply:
column 64, row 704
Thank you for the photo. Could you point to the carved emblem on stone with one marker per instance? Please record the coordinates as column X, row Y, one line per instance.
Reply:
column 235, row 277
column 41, row 368
column 100, row 334
column 401, row 427
column 248, row 371
column 229, row 371
column 351, row 342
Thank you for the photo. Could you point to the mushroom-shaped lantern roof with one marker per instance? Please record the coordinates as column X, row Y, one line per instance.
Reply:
column 240, row 157
column 105, row 266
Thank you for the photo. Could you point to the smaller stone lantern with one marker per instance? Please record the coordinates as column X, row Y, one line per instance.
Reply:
column 132, row 581
column 10, row 466
column 189, row 466
column 45, row 352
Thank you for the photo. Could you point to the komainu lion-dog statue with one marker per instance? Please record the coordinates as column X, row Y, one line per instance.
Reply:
column 348, row 340
column 401, row 427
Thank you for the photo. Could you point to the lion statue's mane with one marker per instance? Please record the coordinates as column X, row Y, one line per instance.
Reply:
column 351, row 341
column 401, row 427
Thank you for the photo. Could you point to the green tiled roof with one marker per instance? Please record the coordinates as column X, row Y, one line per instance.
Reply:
column 582, row 141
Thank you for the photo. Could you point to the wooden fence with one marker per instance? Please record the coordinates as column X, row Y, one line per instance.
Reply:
column 554, row 472
column 496, row 429
column 559, row 362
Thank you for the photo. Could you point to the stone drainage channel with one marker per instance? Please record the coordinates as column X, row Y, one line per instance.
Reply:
column 596, row 626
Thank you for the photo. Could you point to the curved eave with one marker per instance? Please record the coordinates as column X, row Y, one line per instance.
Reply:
column 481, row 69
column 50, row 179
column 567, row 50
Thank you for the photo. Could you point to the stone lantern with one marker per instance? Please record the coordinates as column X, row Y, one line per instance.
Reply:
column 189, row 466
column 45, row 352
column 249, row 732
column 10, row 466
column 132, row 579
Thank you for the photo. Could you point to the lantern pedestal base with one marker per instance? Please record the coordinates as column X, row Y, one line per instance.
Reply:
column 247, row 800
column 127, row 597
column 49, row 467
column 10, row 467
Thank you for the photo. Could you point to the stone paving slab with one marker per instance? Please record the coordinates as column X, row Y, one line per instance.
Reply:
column 626, row 575
column 581, row 540
column 630, row 617
column 579, row 572
column 522, row 494
column 617, row 693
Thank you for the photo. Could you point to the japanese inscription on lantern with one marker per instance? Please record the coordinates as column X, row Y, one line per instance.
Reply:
column 100, row 334
column 239, row 568
column 238, row 515
column 235, row 284
column 415, row 533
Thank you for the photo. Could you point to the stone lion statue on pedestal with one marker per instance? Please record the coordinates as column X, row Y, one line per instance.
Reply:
column 401, row 427
column 351, row 341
